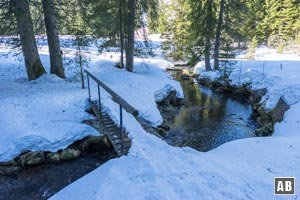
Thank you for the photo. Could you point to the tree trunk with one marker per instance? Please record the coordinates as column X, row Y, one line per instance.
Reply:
column 130, row 35
column 208, row 35
column 53, row 39
column 81, row 68
column 207, row 53
column 121, row 4
column 218, row 36
column 33, row 63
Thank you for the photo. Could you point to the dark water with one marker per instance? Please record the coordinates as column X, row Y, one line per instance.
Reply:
column 43, row 181
column 209, row 120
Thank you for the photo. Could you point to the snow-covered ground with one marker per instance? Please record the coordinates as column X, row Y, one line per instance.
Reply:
column 279, row 73
column 241, row 169
column 47, row 114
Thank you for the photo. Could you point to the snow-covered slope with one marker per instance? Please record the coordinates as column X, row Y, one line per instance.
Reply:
column 278, row 73
column 52, row 109
column 47, row 114
column 241, row 169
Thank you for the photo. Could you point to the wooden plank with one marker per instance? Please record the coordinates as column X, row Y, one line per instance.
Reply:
column 110, row 139
column 125, row 151
column 112, row 131
column 118, row 140
column 124, row 142
column 125, row 146
column 95, row 109
column 115, row 96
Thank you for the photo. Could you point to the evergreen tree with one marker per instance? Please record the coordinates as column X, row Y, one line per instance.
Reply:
column 218, row 36
column 121, row 29
column 33, row 63
column 209, row 21
column 130, row 35
column 53, row 39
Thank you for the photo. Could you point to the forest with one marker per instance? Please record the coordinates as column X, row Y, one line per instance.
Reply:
column 149, row 99
column 195, row 30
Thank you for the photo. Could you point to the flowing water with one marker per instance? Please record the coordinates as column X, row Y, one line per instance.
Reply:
column 43, row 181
column 209, row 119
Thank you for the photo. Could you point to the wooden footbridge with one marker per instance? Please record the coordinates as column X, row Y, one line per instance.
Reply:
column 115, row 133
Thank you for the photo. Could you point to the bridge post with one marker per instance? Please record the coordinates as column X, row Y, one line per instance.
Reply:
column 88, row 80
column 99, row 102
column 121, row 128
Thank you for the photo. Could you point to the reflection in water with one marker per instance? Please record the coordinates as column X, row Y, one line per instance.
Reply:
column 209, row 120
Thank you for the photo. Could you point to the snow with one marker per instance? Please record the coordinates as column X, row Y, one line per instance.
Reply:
column 143, row 88
column 200, row 67
column 153, row 170
column 46, row 114
column 241, row 169
column 290, row 125
column 279, row 73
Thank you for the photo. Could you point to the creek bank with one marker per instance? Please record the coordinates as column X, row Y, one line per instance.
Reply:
column 204, row 119
column 43, row 181
column 265, row 118
column 27, row 159
column 168, row 107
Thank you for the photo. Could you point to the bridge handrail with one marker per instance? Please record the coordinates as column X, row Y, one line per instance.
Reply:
column 117, row 98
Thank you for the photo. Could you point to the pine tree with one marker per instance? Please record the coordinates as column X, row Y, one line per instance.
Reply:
column 130, row 35
column 121, row 29
column 209, row 22
column 53, row 39
column 33, row 63
column 218, row 36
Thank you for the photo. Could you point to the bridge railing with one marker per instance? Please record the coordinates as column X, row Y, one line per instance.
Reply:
column 118, row 99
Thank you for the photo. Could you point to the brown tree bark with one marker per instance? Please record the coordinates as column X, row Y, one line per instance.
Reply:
column 33, row 63
column 53, row 39
column 208, row 35
column 130, row 35
column 121, row 5
column 218, row 36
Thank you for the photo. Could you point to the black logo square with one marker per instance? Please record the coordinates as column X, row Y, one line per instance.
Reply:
column 284, row 185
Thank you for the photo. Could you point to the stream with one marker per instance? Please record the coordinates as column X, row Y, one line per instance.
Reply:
column 43, row 181
column 209, row 119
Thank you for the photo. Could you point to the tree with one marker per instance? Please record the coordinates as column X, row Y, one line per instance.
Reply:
column 53, row 39
column 273, row 22
column 218, row 36
column 130, row 35
column 209, row 23
column 121, row 28
column 33, row 63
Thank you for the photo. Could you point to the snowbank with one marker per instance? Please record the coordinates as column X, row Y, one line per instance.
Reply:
column 47, row 114
column 200, row 67
column 143, row 88
column 241, row 169
column 278, row 73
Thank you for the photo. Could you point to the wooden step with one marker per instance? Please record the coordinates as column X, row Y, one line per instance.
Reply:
column 111, row 127
column 108, row 123
column 116, row 133
column 111, row 130
column 118, row 142
column 125, row 146
column 125, row 152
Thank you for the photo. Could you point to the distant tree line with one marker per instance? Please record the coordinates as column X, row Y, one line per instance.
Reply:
column 197, row 29
column 114, row 20
column 203, row 29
